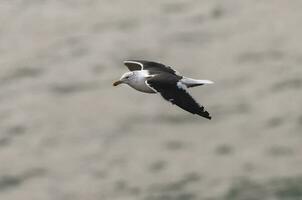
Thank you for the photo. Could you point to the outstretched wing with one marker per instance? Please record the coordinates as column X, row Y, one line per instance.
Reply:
column 148, row 65
column 172, row 90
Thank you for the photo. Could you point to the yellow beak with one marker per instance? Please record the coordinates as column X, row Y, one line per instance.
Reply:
column 116, row 83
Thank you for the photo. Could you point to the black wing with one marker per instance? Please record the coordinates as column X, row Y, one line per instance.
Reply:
column 173, row 91
column 148, row 65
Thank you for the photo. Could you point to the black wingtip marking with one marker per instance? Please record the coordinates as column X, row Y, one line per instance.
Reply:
column 205, row 115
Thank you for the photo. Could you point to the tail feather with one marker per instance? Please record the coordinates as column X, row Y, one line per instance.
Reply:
column 189, row 82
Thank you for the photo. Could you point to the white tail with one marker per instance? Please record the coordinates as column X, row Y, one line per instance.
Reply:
column 189, row 82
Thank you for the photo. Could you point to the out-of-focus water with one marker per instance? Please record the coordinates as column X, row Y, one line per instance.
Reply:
column 66, row 133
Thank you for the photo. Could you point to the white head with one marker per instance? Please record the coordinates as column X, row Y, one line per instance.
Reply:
column 126, row 78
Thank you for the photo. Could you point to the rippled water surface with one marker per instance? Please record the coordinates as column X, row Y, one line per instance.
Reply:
column 66, row 133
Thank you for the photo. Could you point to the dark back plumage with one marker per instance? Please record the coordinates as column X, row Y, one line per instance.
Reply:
column 167, row 85
column 166, row 81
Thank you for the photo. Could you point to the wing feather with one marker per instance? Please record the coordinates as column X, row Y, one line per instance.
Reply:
column 171, row 89
column 148, row 65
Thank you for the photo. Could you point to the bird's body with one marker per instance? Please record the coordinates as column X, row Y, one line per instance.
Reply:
column 153, row 77
column 139, row 78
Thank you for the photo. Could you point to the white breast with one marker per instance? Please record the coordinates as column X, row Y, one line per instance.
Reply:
column 138, row 81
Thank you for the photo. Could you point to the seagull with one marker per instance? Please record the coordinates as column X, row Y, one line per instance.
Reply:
column 153, row 77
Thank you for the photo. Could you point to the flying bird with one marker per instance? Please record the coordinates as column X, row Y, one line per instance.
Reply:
column 152, row 77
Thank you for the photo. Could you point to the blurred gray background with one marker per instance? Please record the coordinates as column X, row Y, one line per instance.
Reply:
column 67, row 134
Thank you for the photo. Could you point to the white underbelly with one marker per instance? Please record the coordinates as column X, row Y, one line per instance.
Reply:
column 142, row 87
column 138, row 82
